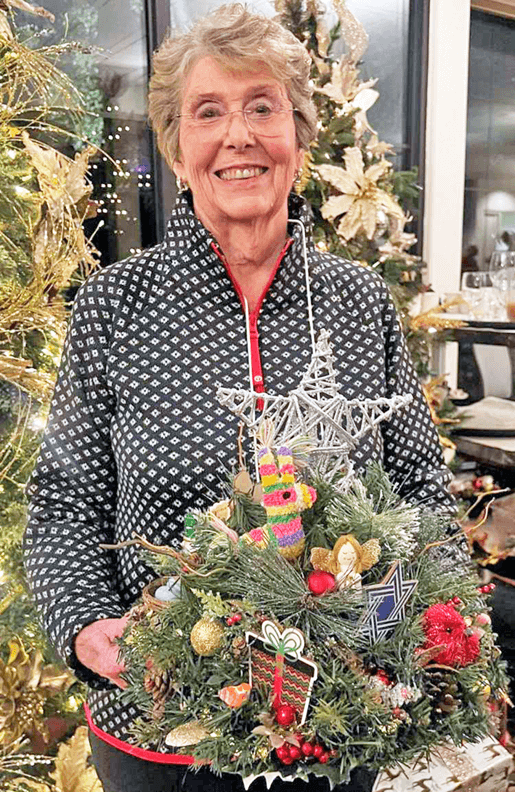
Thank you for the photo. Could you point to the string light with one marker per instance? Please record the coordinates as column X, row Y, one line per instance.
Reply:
column 38, row 422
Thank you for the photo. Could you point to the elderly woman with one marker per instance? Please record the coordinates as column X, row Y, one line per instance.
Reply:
column 136, row 437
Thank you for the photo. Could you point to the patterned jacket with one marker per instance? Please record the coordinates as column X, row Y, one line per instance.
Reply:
column 136, row 437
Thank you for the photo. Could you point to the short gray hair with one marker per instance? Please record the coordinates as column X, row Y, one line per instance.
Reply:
column 234, row 37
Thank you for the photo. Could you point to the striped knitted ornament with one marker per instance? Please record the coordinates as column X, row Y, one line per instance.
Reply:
column 283, row 501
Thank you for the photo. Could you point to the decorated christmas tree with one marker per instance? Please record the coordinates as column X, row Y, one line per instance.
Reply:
column 363, row 208
column 44, row 198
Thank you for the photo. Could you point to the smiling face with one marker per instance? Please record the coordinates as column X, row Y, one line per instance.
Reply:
column 235, row 174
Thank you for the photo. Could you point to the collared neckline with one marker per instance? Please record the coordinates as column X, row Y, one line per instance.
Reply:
column 188, row 245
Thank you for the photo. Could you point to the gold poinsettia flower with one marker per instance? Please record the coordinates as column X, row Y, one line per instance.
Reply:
column 398, row 242
column 25, row 684
column 362, row 199
column 344, row 86
column 345, row 89
column 73, row 772
column 62, row 180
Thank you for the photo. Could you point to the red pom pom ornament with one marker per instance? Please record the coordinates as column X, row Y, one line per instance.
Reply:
column 285, row 715
column 319, row 582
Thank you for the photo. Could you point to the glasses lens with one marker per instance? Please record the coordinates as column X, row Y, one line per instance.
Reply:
column 271, row 125
column 266, row 117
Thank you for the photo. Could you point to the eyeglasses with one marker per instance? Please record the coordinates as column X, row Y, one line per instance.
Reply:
column 264, row 117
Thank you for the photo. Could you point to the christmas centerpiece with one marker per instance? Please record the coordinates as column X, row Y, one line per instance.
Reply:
column 312, row 622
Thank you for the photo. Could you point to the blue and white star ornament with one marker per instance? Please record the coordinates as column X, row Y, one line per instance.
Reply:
column 386, row 603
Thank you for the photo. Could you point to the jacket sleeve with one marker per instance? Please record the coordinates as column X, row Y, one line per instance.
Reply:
column 73, row 489
column 412, row 452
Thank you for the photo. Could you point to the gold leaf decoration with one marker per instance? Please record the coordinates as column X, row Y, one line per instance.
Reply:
column 434, row 320
column 186, row 734
column 25, row 685
column 72, row 771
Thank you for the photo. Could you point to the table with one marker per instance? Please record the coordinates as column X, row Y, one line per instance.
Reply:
column 481, row 332
column 491, row 449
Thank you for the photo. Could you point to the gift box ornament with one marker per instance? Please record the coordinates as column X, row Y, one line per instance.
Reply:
column 276, row 664
column 471, row 767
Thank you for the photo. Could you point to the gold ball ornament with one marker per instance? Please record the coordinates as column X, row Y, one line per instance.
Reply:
column 206, row 637
column 187, row 734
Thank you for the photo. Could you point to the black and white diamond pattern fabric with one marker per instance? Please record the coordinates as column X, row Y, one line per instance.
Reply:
column 137, row 438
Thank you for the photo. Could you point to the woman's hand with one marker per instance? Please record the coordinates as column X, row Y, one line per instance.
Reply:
column 95, row 648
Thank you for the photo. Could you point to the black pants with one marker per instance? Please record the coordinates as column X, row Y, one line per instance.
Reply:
column 120, row 772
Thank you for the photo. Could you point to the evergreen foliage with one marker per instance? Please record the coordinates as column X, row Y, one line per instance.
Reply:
column 350, row 711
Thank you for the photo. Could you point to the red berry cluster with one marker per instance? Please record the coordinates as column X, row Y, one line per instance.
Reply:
column 288, row 753
column 487, row 588
column 454, row 601
column 234, row 619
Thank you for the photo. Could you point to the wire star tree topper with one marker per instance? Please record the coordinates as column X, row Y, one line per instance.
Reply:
column 318, row 411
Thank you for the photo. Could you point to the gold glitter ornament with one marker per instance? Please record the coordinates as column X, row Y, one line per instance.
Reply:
column 206, row 637
column 186, row 734
column 353, row 32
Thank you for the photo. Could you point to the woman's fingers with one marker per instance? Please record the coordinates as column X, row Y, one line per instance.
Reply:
column 95, row 647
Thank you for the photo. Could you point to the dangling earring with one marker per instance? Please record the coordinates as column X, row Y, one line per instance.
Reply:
column 182, row 186
column 298, row 181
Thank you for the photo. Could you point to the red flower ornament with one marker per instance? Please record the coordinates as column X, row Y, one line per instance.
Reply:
column 446, row 628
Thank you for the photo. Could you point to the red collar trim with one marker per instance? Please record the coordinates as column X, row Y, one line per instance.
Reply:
column 255, row 313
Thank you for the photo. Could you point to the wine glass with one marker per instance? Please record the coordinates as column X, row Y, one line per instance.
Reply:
column 502, row 274
column 473, row 290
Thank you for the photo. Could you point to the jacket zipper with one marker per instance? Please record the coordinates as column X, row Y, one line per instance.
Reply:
column 255, row 356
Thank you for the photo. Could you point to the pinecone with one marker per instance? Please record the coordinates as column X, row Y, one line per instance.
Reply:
column 239, row 647
column 160, row 684
column 30, row 706
column 137, row 613
column 441, row 686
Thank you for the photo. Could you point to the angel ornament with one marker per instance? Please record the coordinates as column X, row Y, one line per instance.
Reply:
column 347, row 560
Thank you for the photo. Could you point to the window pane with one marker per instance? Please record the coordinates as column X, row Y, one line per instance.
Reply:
column 490, row 167
column 387, row 60
column 112, row 75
